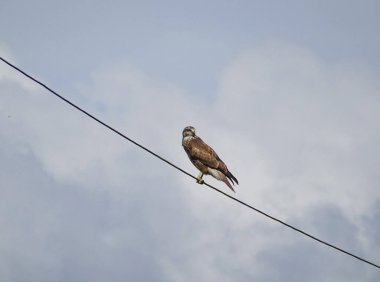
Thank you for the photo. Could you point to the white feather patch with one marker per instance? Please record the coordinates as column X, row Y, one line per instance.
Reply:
column 216, row 173
column 187, row 138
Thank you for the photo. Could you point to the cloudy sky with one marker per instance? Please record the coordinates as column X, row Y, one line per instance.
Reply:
column 287, row 92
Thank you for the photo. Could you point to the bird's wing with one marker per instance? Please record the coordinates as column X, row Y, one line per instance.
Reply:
column 199, row 150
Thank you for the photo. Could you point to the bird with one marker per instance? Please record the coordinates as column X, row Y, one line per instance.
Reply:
column 205, row 159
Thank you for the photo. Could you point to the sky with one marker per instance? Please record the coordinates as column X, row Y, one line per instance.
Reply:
column 287, row 93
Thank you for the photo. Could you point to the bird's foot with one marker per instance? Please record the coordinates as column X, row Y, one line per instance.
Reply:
column 200, row 181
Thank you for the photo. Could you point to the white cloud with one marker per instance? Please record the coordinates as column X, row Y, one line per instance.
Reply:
column 299, row 133
column 313, row 122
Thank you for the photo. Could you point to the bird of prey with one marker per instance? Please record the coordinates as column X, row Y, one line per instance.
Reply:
column 205, row 159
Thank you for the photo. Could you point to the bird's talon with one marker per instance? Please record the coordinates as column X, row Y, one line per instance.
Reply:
column 200, row 181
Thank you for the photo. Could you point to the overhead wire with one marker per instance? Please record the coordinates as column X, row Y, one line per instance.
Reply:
column 185, row 172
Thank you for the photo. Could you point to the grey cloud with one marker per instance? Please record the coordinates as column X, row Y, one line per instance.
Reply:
column 60, row 232
column 297, row 257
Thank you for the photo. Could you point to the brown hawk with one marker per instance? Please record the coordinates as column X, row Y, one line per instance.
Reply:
column 205, row 158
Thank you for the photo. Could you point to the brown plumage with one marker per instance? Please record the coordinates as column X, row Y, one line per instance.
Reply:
column 205, row 158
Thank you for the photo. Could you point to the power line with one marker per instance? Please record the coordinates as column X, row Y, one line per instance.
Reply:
column 185, row 172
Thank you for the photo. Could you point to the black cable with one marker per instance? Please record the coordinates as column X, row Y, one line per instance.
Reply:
column 185, row 172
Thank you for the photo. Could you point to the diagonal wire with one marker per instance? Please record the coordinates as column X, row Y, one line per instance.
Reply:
column 188, row 174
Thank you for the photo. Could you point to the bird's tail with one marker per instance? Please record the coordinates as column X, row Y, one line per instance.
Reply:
column 221, row 176
column 232, row 178
column 225, row 180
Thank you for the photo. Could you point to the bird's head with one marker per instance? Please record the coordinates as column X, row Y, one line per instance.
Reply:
column 188, row 131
